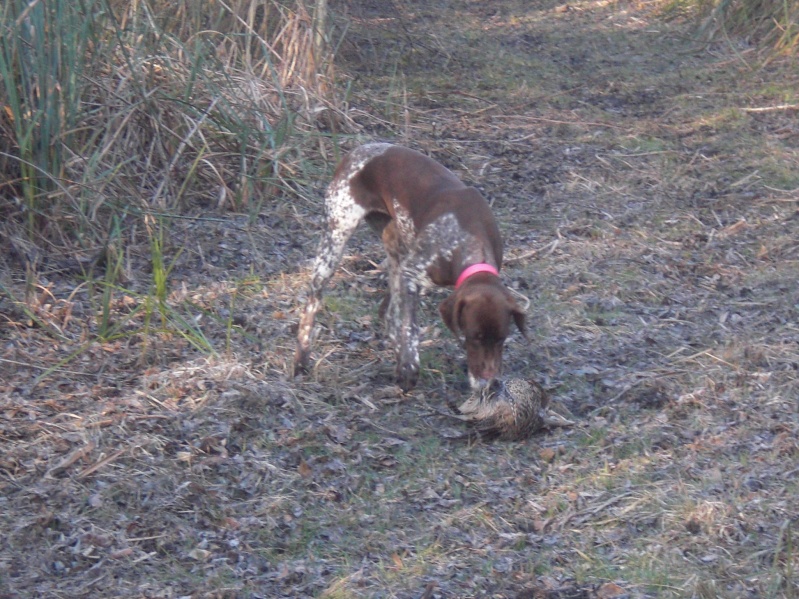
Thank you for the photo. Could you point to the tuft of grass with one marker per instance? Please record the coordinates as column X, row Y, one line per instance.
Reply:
column 773, row 24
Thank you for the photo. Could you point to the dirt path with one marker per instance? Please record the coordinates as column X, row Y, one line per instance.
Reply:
column 648, row 193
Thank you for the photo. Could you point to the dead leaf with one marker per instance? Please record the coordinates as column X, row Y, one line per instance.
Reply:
column 610, row 590
column 305, row 470
column 428, row 590
column 199, row 554
column 735, row 228
column 539, row 525
column 547, row 454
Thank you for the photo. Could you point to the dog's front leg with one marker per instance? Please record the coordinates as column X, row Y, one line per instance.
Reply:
column 400, row 318
column 400, row 313
column 407, row 330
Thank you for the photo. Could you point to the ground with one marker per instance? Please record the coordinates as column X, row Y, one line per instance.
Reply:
column 646, row 181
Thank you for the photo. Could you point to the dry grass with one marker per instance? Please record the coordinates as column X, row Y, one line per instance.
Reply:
column 647, row 189
column 165, row 107
column 771, row 24
column 122, row 117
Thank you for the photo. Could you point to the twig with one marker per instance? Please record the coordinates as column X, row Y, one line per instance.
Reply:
column 772, row 108
column 43, row 367
column 788, row 191
column 556, row 122
column 522, row 297
column 73, row 457
column 707, row 353
column 101, row 463
column 551, row 246
column 585, row 514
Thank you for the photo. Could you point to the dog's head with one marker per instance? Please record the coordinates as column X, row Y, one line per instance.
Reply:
column 480, row 313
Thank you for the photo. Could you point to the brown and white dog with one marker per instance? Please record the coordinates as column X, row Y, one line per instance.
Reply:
column 435, row 229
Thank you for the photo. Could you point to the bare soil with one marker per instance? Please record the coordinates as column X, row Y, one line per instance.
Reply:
column 646, row 182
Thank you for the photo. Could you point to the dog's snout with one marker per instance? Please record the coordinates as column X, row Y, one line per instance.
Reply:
column 484, row 377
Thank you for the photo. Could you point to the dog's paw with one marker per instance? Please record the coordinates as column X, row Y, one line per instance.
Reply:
column 301, row 360
column 407, row 376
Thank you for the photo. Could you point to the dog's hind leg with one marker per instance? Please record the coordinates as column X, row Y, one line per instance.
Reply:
column 343, row 216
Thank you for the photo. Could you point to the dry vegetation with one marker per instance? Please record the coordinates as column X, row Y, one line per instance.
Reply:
column 646, row 179
column 772, row 24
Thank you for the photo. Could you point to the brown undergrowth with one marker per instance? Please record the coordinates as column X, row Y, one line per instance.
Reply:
column 647, row 186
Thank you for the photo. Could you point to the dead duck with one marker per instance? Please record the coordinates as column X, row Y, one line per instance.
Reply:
column 509, row 410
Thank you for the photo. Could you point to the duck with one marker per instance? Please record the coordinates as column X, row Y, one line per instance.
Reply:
column 509, row 410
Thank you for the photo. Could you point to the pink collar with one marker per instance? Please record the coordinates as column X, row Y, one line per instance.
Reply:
column 473, row 270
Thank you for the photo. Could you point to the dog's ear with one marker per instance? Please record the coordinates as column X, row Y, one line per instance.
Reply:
column 450, row 310
column 518, row 316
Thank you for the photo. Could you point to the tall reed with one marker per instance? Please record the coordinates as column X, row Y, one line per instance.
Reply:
column 114, row 113
column 154, row 105
column 44, row 50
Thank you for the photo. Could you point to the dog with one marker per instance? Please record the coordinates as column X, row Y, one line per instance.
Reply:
column 435, row 230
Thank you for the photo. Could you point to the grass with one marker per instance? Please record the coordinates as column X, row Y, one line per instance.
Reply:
column 774, row 23
column 120, row 117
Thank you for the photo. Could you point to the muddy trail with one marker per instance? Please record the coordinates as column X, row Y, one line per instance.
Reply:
column 645, row 180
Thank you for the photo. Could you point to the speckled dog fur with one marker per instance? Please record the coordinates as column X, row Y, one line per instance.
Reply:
column 433, row 227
